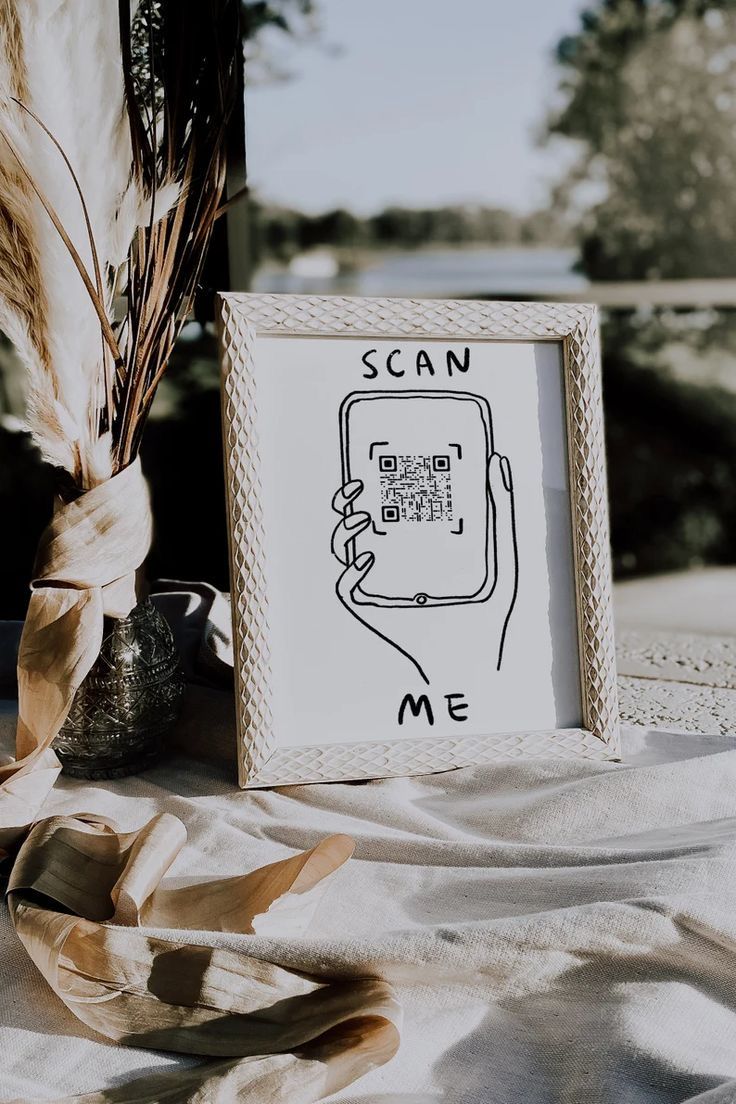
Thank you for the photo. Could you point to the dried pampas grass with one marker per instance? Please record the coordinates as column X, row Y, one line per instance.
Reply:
column 113, row 117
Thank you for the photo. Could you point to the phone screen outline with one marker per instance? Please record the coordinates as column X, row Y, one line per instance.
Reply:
column 420, row 599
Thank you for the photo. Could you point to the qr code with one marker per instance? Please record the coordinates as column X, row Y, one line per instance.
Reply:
column 415, row 488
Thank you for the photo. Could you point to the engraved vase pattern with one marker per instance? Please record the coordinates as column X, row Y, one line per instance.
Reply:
column 128, row 701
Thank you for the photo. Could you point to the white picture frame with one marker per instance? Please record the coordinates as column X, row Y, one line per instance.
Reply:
column 254, row 330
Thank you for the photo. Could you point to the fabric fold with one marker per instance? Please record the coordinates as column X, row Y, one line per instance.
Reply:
column 22, row 795
column 86, row 565
column 79, row 894
column 85, row 568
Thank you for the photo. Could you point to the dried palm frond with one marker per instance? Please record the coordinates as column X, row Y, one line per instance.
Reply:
column 72, row 84
column 22, row 302
column 180, row 65
column 113, row 117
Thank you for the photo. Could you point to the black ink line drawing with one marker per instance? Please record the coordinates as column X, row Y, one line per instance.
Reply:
column 424, row 464
column 418, row 488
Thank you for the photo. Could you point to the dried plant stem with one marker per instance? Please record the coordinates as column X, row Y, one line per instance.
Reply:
column 73, row 252
column 172, row 72
column 90, row 238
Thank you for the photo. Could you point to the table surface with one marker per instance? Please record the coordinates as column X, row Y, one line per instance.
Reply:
column 553, row 901
column 676, row 651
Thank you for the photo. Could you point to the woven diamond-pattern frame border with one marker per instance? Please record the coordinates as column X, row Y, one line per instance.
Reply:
column 261, row 761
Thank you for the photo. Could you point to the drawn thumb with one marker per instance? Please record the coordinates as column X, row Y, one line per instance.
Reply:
column 501, row 489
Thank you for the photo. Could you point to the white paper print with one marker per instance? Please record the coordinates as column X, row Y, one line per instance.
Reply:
column 418, row 538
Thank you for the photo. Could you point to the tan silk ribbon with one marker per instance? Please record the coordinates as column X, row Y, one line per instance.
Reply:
column 78, row 894
column 85, row 568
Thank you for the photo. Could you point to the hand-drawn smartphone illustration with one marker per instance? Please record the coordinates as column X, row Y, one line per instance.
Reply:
column 422, row 457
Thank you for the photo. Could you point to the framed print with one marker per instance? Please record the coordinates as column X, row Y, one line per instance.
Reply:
column 418, row 535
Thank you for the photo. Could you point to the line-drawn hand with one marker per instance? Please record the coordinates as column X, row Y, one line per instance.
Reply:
column 427, row 636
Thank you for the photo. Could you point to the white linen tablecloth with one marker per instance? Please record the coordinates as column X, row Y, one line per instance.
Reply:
column 556, row 931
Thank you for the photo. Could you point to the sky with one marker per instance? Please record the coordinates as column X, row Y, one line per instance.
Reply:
column 415, row 102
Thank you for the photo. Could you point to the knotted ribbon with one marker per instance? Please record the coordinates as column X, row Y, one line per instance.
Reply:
column 85, row 568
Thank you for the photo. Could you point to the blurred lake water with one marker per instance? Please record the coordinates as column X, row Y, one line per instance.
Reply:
column 429, row 272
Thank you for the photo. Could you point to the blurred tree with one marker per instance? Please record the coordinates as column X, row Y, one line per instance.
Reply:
column 649, row 89
column 671, row 446
column 280, row 232
column 339, row 227
column 494, row 224
column 258, row 18
column 286, row 15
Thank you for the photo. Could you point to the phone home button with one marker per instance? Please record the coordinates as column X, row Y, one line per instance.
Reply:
column 420, row 599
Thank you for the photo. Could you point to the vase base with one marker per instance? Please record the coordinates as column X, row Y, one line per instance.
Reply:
column 99, row 771
column 128, row 702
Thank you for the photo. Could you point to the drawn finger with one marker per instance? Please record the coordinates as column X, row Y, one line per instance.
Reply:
column 346, row 495
column 347, row 530
column 353, row 576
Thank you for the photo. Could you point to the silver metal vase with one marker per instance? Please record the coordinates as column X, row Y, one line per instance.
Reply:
column 128, row 701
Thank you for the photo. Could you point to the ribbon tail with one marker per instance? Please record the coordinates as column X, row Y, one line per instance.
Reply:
column 271, row 1033
column 61, row 639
